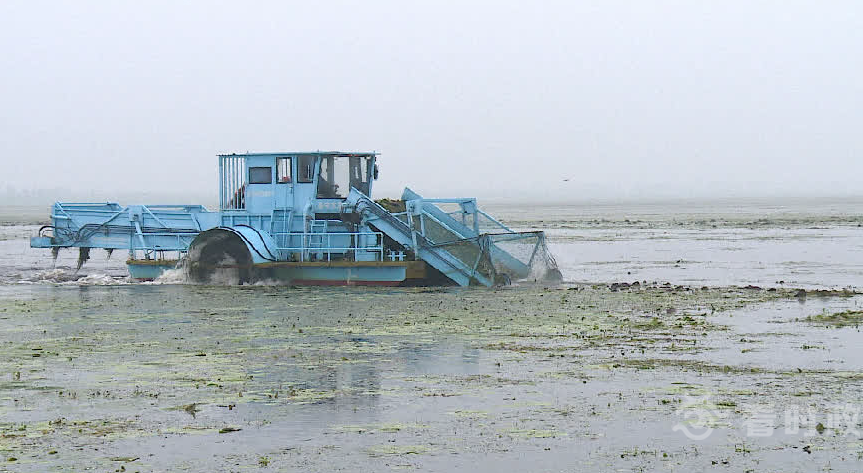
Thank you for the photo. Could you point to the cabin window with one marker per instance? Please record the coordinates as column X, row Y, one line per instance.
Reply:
column 261, row 175
column 360, row 173
column 306, row 168
column 334, row 179
column 340, row 173
column 283, row 170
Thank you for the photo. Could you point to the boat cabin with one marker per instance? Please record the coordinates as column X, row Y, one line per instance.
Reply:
column 259, row 183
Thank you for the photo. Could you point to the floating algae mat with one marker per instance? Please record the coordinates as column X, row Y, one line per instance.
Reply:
column 196, row 378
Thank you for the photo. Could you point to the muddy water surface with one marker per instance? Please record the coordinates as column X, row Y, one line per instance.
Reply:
column 103, row 374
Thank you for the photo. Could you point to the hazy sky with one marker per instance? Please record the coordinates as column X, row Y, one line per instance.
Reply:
column 632, row 99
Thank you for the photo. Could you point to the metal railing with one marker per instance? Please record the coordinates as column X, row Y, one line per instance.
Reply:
column 161, row 245
column 323, row 245
column 481, row 224
column 232, row 182
column 468, row 214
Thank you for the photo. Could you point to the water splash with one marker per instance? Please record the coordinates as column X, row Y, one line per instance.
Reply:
column 56, row 275
column 66, row 277
column 97, row 280
column 176, row 275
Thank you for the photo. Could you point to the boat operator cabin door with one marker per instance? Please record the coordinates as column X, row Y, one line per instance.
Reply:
column 260, row 190
column 304, row 186
column 284, row 193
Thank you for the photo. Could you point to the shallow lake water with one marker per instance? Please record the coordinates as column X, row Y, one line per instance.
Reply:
column 99, row 373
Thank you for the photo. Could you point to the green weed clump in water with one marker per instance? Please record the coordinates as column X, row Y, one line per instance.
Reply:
column 534, row 433
column 394, row 450
column 848, row 318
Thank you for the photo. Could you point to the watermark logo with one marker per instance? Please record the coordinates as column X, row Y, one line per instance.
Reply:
column 699, row 415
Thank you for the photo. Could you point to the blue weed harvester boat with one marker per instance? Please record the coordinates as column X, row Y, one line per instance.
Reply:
column 306, row 218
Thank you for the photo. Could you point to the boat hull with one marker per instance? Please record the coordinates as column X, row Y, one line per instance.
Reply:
column 149, row 270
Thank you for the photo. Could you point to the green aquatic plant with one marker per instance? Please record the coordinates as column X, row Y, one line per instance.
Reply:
column 386, row 450
column 847, row 318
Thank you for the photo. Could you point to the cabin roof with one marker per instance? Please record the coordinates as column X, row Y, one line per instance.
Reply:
column 307, row 153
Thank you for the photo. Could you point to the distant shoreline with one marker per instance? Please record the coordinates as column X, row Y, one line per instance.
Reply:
column 24, row 215
column 707, row 214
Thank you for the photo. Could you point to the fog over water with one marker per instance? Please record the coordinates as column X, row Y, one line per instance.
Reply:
column 550, row 101
column 694, row 167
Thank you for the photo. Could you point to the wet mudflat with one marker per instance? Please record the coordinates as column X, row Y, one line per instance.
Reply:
column 569, row 378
